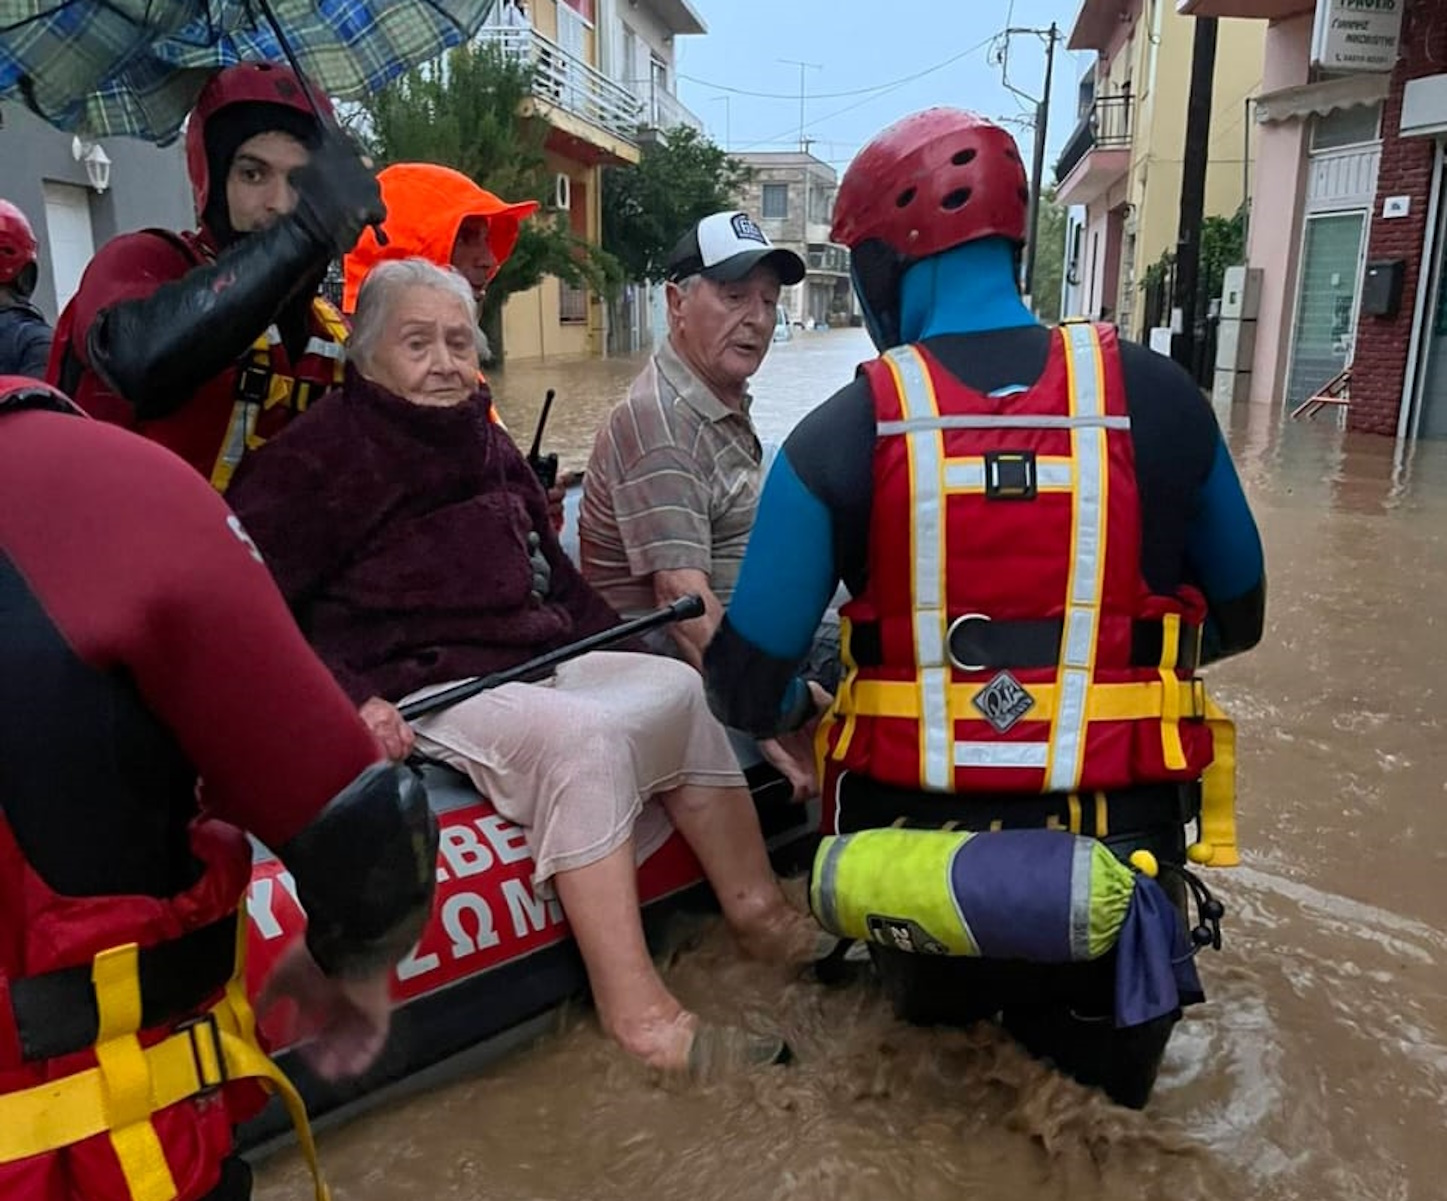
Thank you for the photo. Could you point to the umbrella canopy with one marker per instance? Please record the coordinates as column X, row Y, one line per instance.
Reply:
column 109, row 67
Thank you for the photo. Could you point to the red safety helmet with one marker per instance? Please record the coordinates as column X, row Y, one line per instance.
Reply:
column 932, row 181
column 18, row 247
column 245, row 83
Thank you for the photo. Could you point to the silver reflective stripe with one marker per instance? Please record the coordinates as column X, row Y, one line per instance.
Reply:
column 1079, row 631
column 938, row 731
column 1069, row 731
column 1081, row 861
column 829, row 885
column 916, row 425
column 273, row 336
column 965, row 477
column 1082, row 616
column 1089, row 515
column 925, row 448
column 327, row 350
column 1001, row 754
column 238, row 433
column 1089, row 400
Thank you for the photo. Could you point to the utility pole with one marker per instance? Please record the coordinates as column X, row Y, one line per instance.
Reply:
column 1193, row 188
column 728, row 134
column 1041, row 122
column 1037, row 170
column 794, row 62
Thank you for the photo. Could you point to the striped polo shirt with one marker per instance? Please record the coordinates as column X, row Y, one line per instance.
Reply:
column 673, row 482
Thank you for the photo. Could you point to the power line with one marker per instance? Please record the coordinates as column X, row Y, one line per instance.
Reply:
column 978, row 46
column 878, row 87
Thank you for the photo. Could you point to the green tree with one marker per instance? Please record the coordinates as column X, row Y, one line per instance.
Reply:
column 1050, row 258
column 465, row 112
column 648, row 206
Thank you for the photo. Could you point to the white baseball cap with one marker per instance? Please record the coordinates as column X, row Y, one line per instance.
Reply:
column 726, row 247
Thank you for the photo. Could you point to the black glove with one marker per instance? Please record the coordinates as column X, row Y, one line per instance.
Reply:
column 337, row 195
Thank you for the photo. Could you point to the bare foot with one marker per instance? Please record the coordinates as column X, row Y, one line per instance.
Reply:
column 784, row 935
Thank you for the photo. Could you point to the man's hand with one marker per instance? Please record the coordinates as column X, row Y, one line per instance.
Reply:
column 389, row 728
column 692, row 636
column 337, row 194
column 341, row 1025
column 793, row 755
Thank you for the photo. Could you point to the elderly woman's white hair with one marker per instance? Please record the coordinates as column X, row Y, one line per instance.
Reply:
column 383, row 283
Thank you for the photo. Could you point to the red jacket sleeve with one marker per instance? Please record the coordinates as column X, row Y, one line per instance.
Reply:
column 130, row 267
column 192, row 615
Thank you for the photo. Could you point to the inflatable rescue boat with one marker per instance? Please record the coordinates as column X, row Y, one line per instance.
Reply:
column 494, row 954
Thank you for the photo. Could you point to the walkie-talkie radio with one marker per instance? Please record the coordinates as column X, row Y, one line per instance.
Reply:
column 545, row 467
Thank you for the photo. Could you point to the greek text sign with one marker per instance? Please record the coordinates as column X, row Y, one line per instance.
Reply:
column 1356, row 35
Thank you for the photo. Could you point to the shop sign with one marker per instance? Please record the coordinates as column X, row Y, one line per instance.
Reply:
column 1356, row 35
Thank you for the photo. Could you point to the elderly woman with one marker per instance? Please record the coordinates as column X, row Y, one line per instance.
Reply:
column 414, row 546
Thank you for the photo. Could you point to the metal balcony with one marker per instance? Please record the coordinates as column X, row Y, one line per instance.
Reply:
column 1098, row 152
column 567, row 82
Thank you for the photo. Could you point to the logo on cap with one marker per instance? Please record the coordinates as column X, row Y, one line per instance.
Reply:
column 745, row 229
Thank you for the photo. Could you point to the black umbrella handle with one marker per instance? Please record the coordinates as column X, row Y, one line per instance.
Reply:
column 306, row 90
column 684, row 609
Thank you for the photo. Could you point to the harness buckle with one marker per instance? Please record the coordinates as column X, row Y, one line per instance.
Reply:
column 1198, row 699
column 1010, row 475
column 950, row 640
column 191, row 1028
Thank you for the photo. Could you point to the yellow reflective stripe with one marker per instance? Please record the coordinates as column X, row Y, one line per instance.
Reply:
column 925, row 453
column 1102, row 816
column 1085, row 372
column 1072, row 803
column 1139, row 701
column 1174, row 753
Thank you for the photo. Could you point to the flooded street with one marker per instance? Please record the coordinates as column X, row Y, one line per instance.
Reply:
column 1318, row 1067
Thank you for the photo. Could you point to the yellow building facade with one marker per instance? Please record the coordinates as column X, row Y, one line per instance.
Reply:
column 1122, row 167
column 603, row 81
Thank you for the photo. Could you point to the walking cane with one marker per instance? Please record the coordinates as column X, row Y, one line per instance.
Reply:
column 683, row 609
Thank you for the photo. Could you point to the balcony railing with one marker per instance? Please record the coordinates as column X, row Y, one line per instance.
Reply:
column 664, row 111
column 1107, row 126
column 566, row 80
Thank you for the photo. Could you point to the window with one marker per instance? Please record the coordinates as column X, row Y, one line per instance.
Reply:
column 572, row 305
column 776, row 201
column 1347, row 127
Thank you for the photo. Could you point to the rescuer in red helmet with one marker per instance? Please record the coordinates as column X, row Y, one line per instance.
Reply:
column 159, row 705
column 24, row 332
column 209, row 342
column 1043, row 537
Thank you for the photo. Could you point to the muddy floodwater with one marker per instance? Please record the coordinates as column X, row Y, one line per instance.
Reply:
column 1316, row 1070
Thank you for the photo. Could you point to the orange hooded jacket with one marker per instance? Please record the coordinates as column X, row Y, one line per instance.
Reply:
column 426, row 206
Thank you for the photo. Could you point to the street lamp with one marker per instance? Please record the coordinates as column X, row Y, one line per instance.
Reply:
column 97, row 162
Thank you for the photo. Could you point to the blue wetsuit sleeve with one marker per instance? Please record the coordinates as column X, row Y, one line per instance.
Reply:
column 1224, row 555
column 785, row 584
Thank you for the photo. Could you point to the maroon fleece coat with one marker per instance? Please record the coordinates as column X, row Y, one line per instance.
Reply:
column 399, row 535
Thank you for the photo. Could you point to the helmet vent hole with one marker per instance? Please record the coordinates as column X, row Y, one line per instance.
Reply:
column 961, row 157
column 904, row 198
column 956, row 199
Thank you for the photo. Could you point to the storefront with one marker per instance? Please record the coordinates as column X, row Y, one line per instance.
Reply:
column 1424, row 407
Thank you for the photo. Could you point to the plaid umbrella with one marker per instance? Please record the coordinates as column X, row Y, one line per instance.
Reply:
column 108, row 67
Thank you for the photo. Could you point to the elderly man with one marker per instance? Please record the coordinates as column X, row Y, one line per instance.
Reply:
column 673, row 481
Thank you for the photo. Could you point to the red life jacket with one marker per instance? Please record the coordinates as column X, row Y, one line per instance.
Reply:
column 1006, row 641
column 236, row 411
